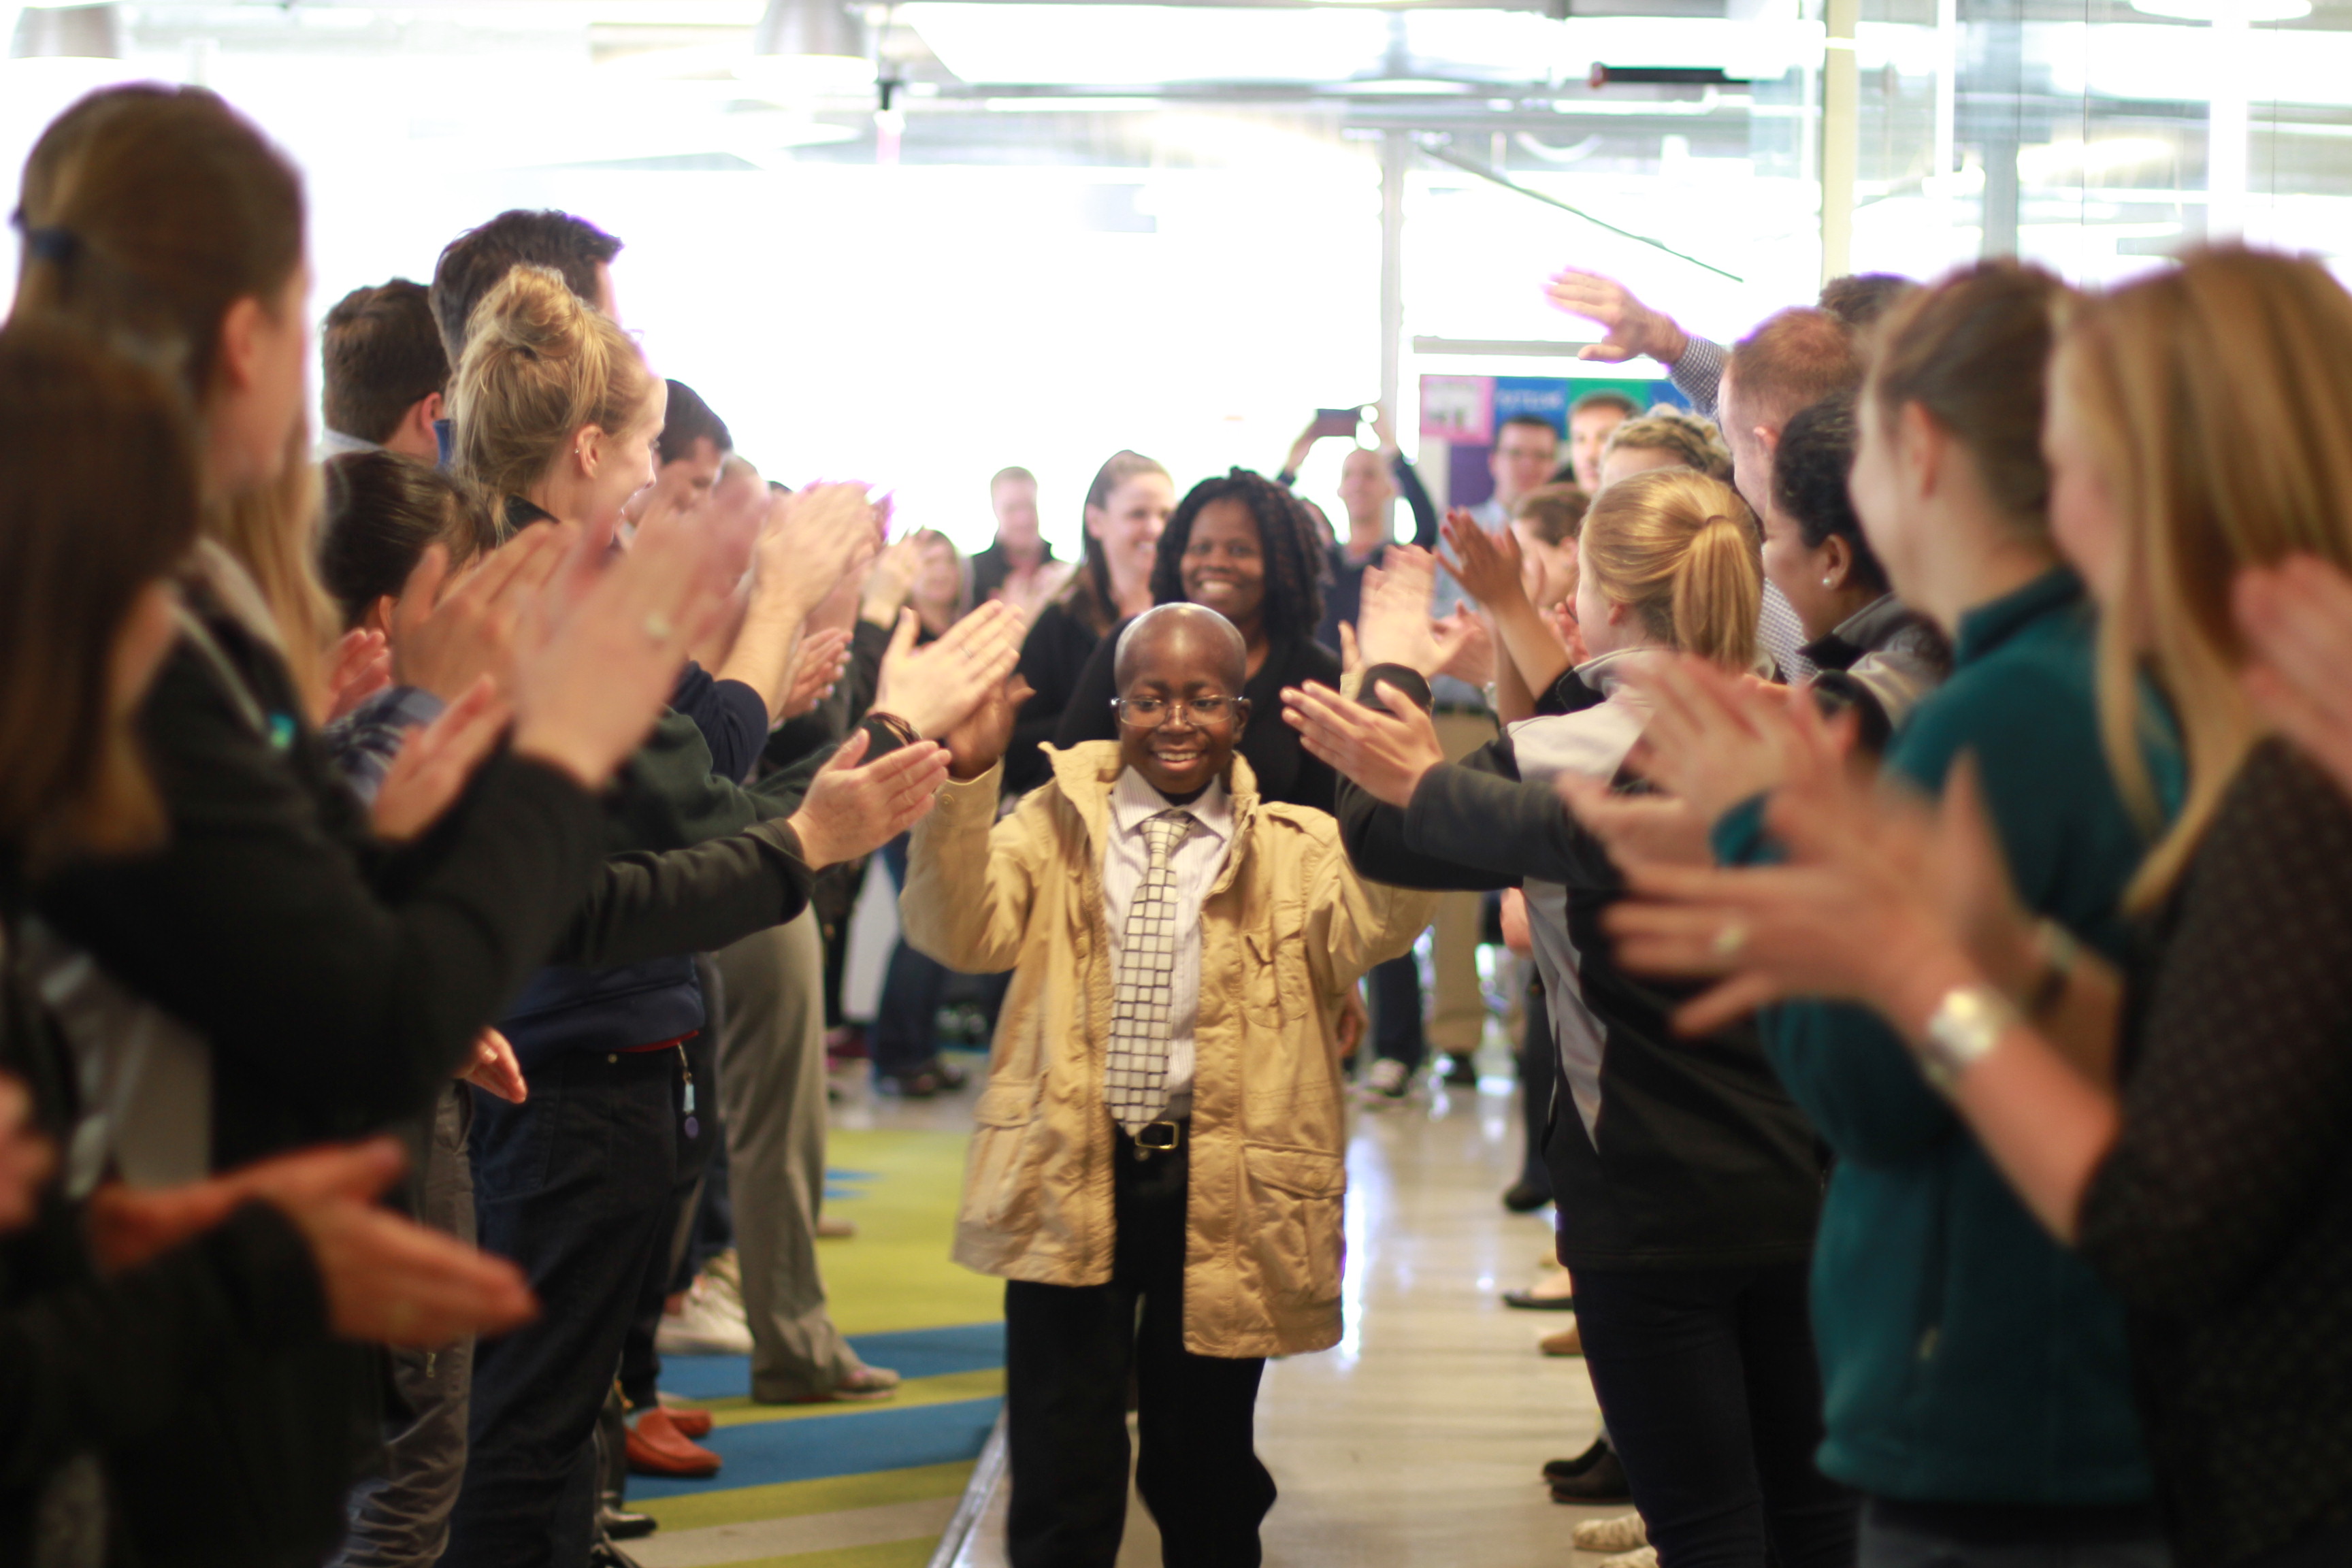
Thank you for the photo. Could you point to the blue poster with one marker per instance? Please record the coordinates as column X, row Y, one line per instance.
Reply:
column 1545, row 398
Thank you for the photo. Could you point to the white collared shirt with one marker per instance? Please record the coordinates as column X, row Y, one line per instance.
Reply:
column 1194, row 863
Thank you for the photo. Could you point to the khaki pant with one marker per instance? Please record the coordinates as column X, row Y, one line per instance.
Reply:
column 1457, row 1016
column 771, row 1090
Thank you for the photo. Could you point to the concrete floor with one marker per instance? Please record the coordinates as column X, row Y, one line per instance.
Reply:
column 1419, row 1439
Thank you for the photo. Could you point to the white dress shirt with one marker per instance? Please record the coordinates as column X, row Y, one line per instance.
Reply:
column 1194, row 863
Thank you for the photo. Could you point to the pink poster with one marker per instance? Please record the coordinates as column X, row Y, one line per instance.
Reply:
column 1458, row 408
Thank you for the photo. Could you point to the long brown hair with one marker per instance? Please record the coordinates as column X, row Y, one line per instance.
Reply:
column 272, row 530
column 2217, row 396
column 1088, row 595
column 1679, row 549
column 102, row 502
column 148, row 212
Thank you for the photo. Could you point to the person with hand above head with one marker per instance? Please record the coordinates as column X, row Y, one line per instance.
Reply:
column 1126, row 506
column 1371, row 479
column 1954, row 496
column 1018, row 566
column 2167, row 1112
column 386, row 375
column 1688, row 1183
column 1167, row 1050
column 311, row 983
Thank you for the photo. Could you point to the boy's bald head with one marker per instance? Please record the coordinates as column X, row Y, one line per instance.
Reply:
column 1155, row 635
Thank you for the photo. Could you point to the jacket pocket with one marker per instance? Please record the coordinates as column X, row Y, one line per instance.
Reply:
column 1293, row 1198
column 1001, row 1174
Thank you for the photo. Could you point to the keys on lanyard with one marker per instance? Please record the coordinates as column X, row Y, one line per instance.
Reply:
column 693, row 1126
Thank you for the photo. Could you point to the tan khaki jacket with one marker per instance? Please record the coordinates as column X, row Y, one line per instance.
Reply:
column 1286, row 927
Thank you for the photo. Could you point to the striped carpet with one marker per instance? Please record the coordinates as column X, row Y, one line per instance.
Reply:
column 852, row 1485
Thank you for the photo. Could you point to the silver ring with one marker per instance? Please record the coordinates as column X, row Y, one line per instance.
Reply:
column 1729, row 939
column 659, row 627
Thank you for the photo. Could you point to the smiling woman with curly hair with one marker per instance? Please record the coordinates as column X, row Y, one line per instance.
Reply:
column 1242, row 545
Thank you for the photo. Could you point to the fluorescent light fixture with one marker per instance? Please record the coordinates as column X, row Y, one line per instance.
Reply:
column 808, row 49
column 68, row 32
column 2226, row 10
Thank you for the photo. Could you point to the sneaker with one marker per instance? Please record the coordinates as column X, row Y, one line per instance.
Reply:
column 723, row 1278
column 1389, row 1079
column 707, row 1326
column 1626, row 1532
column 1640, row 1557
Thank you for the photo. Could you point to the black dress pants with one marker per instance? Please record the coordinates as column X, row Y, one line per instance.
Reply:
column 1068, row 1354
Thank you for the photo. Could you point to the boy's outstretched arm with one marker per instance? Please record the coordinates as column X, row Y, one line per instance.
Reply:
column 1353, row 923
column 970, row 878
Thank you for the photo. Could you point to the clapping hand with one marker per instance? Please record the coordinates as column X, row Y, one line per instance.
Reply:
column 1393, row 626
column 492, row 1065
column 1714, row 741
column 359, row 666
column 1487, row 565
column 818, row 661
column 933, row 687
column 851, row 810
column 1387, row 753
column 435, row 761
column 978, row 743
column 447, row 637
column 1466, row 647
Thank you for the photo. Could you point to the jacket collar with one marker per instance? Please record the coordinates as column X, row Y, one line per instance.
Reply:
column 2056, row 591
column 1607, row 673
column 1870, row 627
column 1084, row 774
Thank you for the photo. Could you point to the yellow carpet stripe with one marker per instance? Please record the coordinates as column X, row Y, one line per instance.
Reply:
column 896, row 1274
column 789, row 1499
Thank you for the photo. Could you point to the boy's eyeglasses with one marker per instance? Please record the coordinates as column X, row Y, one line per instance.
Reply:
column 1151, row 713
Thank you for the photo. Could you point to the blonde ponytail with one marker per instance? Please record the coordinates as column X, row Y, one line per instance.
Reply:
column 1679, row 549
column 541, row 362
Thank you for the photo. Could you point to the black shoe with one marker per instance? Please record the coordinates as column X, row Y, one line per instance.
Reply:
column 1604, row 1482
column 1567, row 1470
column 620, row 1524
column 1529, row 1301
column 1462, row 1071
column 604, row 1554
column 1526, row 1197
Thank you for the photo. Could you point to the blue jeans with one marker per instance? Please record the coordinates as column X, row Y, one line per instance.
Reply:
column 1891, row 1543
column 576, row 1186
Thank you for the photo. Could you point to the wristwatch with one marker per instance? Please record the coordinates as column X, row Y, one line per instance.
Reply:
column 1962, row 1031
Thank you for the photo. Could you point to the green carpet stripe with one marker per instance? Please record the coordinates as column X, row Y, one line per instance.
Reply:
column 791, row 1499
column 986, row 1384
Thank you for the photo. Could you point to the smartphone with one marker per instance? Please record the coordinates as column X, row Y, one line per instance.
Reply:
column 1338, row 421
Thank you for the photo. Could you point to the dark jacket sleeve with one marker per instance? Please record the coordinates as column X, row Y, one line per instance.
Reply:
column 732, row 717
column 1052, row 654
column 1087, row 715
column 260, row 927
column 1416, row 499
column 648, row 904
column 101, row 1363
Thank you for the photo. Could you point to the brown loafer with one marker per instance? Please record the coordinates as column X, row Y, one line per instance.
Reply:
column 693, row 1424
column 657, row 1448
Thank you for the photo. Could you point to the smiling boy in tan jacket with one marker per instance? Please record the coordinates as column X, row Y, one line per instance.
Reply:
column 1164, row 1120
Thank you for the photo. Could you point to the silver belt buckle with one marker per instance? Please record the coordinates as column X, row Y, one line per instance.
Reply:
column 1158, row 1138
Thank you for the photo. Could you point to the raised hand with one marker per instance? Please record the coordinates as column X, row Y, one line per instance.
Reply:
column 819, row 535
column 1487, row 565
column 1714, row 741
column 978, row 743
column 1465, row 648
column 597, row 666
column 1630, row 329
column 890, row 580
column 359, row 666
column 851, row 810
column 935, row 687
column 1637, row 829
column 1387, row 753
column 1393, row 626
column 818, row 660
column 445, row 637
column 2297, row 621
column 435, row 761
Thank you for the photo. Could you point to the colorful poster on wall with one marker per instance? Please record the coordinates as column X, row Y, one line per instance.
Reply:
column 1458, row 408
column 1544, row 397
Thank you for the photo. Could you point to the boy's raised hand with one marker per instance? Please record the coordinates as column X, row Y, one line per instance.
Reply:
column 978, row 743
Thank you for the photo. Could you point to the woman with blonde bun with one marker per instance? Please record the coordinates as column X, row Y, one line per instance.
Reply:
column 1688, row 1181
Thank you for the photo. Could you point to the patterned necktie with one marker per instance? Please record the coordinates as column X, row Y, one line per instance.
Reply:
column 1135, row 1078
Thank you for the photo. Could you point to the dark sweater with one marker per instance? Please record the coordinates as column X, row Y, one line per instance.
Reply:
column 1695, row 1157
column 1285, row 772
column 1055, row 654
column 2223, row 1216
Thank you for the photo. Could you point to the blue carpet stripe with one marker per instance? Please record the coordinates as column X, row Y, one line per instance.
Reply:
column 767, row 1452
column 915, row 1352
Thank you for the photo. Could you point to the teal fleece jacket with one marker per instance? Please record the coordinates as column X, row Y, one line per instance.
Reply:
column 1966, row 1357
